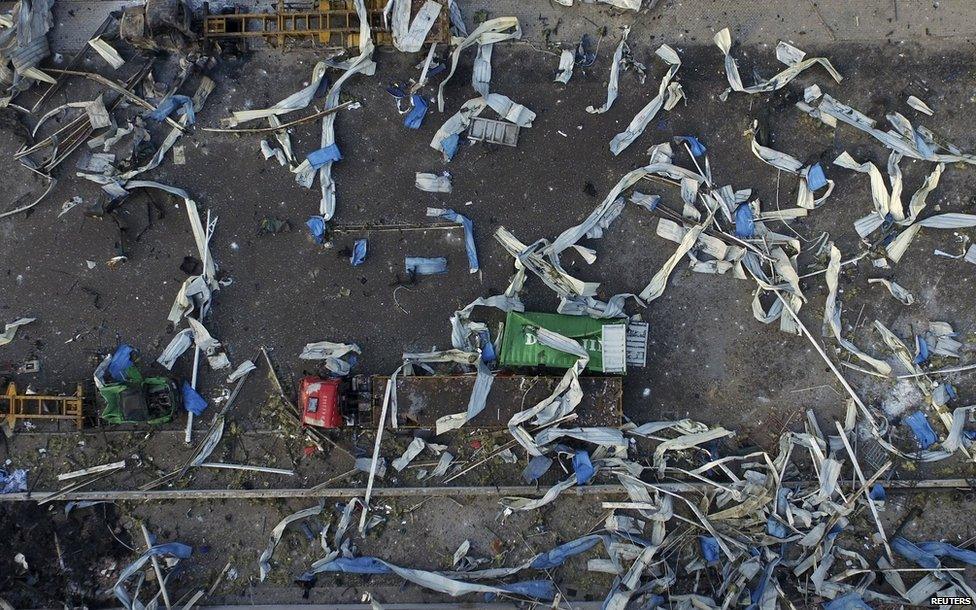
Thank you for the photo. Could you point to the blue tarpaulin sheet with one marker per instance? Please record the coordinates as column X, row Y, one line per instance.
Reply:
column 120, row 363
column 318, row 158
column 415, row 118
column 924, row 435
column 775, row 528
column 468, row 226
column 421, row 265
column 192, row 401
column 450, row 146
column 921, row 349
column 944, row 549
column 539, row 589
column 558, row 556
column 316, row 228
column 488, row 354
column 912, row 553
column 14, row 482
column 745, row 224
column 709, row 548
column 697, row 148
column 171, row 103
column 851, row 601
column 583, row 467
column 878, row 492
column 815, row 177
column 537, row 467
column 358, row 253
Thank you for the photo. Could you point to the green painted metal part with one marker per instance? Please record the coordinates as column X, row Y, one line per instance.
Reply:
column 110, row 394
column 521, row 348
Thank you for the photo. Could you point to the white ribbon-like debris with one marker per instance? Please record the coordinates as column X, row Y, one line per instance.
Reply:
column 613, row 86
column 669, row 93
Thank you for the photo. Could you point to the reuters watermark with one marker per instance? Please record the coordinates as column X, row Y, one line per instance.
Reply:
column 951, row 601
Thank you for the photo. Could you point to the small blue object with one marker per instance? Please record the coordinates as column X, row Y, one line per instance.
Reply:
column 944, row 549
column 488, row 354
column 316, row 228
column 816, row 179
column 878, row 492
column 694, row 144
column 537, row 467
column 835, row 531
column 192, row 401
column 329, row 154
column 14, row 482
column 745, row 224
column 415, row 118
column 912, row 553
column 775, row 528
column 558, row 556
column 120, row 363
column 450, row 146
column 851, row 601
column 422, row 265
column 583, row 467
column 539, row 589
column 468, row 227
column 921, row 350
column 171, row 103
column 358, row 253
column 709, row 548
column 924, row 435
column 396, row 92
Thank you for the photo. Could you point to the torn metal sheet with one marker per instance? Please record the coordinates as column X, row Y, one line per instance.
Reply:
column 409, row 37
column 171, row 549
column 447, row 139
column 613, row 85
column 792, row 57
column 10, row 329
column 243, row 369
column 787, row 163
column 896, row 290
column 488, row 33
column 74, row 474
column 413, row 450
column 667, row 97
column 433, row 183
column 180, row 342
column 333, row 354
column 567, row 59
column 107, row 52
column 899, row 245
column 442, row 465
column 919, row 105
column 264, row 562
column 467, row 225
column 296, row 101
column 655, row 288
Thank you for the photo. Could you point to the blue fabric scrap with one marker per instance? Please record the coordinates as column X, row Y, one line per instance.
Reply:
column 316, row 228
column 924, row 435
column 14, row 482
column 851, row 601
column 329, row 154
column 816, row 179
column 488, row 354
column 745, row 224
column 120, row 363
column 944, row 549
column 583, row 467
column 878, row 492
column 539, row 589
column 709, row 548
column 537, row 467
column 396, row 92
column 913, row 553
column 450, row 145
column 171, row 103
column 468, row 227
column 192, row 401
column 694, row 144
column 558, row 555
column 422, row 265
column 921, row 350
column 358, row 253
column 415, row 118
column 775, row 528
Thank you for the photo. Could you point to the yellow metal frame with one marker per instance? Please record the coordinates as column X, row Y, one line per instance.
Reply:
column 334, row 22
column 14, row 406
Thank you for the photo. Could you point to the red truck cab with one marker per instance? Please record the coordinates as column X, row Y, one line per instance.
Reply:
column 318, row 398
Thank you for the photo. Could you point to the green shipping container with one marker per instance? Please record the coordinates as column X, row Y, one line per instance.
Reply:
column 520, row 347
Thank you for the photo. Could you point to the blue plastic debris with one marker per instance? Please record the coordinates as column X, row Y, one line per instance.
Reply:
column 422, row 265
column 537, row 467
column 878, row 492
column 944, row 549
column 396, row 92
column 912, row 553
column 192, row 401
column 851, row 601
column 316, row 228
column 318, row 158
column 488, row 354
column 171, row 103
column 924, row 435
column 539, row 589
column 120, row 363
column 450, row 146
column 14, row 482
column 358, row 253
column 709, row 548
column 558, row 555
column 583, row 467
column 921, row 350
column 697, row 148
column 745, row 224
column 835, row 531
column 415, row 118
column 775, row 528
column 816, row 179
column 468, row 226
